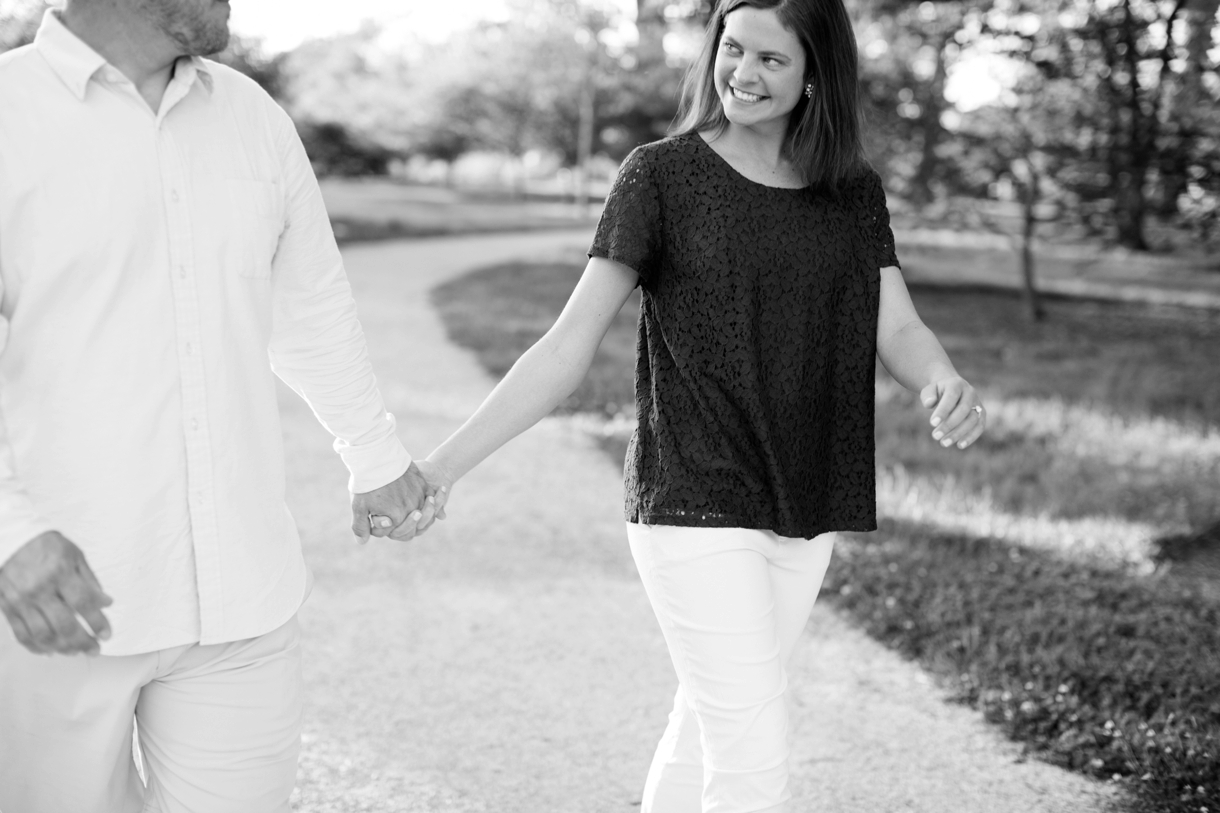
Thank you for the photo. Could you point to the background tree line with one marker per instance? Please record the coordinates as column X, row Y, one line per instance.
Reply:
column 1107, row 120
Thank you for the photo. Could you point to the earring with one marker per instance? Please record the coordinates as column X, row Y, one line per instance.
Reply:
column 809, row 91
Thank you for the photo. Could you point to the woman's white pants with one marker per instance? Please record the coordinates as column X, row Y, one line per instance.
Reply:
column 732, row 603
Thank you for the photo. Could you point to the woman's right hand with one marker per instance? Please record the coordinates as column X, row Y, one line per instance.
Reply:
column 439, row 483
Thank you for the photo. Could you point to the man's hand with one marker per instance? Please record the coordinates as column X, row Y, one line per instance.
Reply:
column 394, row 506
column 46, row 590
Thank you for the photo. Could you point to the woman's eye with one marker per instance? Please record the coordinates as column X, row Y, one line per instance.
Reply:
column 730, row 47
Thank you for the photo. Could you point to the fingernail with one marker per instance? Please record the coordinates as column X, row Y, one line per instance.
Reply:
column 431, row 500
column 937, row 435
column 444, row 489
column 962, row 445
column 936, row 421
column 415, row 515
column 384, row 522
column 946, row 442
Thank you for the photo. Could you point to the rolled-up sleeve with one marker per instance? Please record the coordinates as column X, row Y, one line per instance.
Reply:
column 317, row 344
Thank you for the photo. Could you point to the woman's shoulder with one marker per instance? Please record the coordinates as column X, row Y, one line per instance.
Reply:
column 862, row 184
column 665, row 153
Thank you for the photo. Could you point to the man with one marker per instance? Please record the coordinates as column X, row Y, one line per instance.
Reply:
column 162, row 238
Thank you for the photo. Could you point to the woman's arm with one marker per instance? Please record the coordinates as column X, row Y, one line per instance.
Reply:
column 913, row 356
column 544, row 375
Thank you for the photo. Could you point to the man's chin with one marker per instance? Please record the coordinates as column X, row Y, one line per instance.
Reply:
column 220, row 44
column 211, row 44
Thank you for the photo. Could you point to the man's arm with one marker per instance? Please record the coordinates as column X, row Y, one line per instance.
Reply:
column 46, row 586
column 318, row 348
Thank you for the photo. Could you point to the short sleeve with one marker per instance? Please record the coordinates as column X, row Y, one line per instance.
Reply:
column 877, row 243
column 629, row 231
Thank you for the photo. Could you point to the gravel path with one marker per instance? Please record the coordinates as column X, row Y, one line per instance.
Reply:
column 508, row 661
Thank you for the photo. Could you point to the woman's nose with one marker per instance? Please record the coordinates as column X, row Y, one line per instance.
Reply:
column 746, row 70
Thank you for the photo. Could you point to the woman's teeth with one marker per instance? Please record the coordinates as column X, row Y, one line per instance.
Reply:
column 746, row 97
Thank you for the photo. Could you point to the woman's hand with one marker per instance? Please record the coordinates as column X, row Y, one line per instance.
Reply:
column 436, row 494
column 958, row 417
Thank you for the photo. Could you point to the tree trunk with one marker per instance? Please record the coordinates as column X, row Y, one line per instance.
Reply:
column 650, row 25
column 1133, row 164
column 932, row 105
column 1033, row 302
column 584, row 141
column 1130, row 206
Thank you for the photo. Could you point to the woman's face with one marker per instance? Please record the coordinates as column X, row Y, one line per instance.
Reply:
column 760, row 69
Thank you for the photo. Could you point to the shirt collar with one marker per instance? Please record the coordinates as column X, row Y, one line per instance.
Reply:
column 68, row 56
column 76, row 63
column 191, row 68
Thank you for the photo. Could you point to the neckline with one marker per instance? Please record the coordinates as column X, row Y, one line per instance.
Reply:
column 737, row 173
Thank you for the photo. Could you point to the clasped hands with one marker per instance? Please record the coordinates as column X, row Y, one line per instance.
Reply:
column 404, row 508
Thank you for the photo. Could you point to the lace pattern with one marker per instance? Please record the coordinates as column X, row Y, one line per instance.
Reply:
column 756, row 343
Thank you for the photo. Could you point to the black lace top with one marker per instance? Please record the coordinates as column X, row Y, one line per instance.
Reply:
column 757, row 340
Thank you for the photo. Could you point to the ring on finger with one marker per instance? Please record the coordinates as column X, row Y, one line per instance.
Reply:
column 977, row 408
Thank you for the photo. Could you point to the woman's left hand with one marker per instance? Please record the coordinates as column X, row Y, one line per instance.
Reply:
column 958, row 417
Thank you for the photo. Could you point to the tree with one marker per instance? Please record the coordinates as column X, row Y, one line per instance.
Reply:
column 1152, row 90
column 909, row 49
column 247, row 56
column 1025, row 140
column 19, row 21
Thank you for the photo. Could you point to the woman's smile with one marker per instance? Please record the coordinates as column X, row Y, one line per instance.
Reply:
column 749, row 98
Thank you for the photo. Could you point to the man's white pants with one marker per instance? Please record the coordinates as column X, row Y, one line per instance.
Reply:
column 219, row 728
column 732, row 603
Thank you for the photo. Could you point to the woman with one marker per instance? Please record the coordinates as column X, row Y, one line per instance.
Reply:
column 762, row 244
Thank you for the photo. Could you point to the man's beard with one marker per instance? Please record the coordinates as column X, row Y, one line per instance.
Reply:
column 194, row 31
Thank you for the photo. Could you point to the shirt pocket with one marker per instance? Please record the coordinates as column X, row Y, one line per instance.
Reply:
column 245, row 219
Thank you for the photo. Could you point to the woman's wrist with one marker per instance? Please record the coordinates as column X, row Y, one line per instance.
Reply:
column 443, row 466
column 939, row 373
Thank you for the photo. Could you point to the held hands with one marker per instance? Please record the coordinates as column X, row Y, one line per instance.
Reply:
column 957, row 418
column 46, row 591
column 439, row 483
column 402, row 509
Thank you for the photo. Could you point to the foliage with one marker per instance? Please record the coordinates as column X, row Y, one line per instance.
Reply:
column 509, row 85
column 1150, row 124
column 353, row 80
column 19, row 21
column 1094, row 670
column 334, row 151
column 247, row 56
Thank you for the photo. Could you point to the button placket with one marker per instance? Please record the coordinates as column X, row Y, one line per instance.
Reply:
column 200, row 503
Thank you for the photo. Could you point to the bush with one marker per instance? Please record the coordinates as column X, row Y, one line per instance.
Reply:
column 333, row 150
column 1092, row 667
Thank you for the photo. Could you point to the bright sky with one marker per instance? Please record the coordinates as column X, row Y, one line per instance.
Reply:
column 285, row 24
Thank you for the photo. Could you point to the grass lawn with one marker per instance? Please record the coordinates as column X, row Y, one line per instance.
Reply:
column 1063, row 575
column 364, row 209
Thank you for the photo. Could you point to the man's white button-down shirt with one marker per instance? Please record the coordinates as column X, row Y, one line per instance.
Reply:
column 156, row 268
